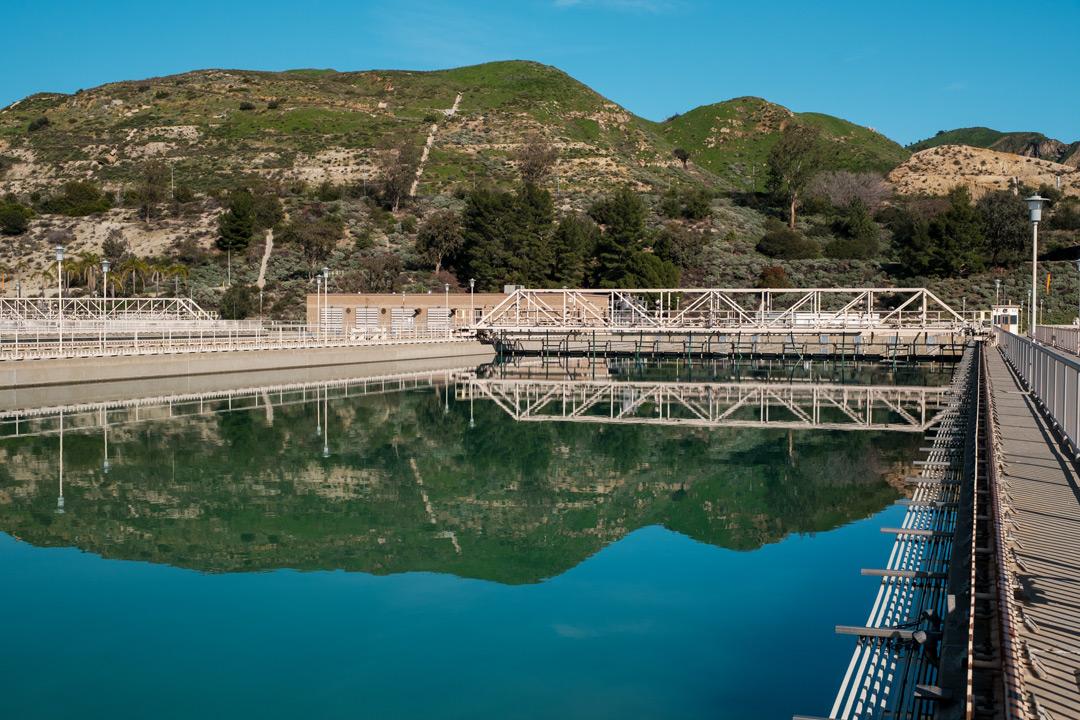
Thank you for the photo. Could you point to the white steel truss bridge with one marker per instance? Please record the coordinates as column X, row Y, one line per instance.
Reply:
column 713, row 404
column 682, row 310
column 81, row 309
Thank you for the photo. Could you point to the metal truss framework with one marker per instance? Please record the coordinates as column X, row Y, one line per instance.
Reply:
column 734, row 404
column 48, row 309
column 723, row 310
column 88, row 416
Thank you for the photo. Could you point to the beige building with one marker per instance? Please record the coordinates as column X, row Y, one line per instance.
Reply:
column 398, row 313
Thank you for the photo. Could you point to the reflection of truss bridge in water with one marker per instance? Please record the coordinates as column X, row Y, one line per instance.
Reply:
column 91, row 415
column 714, row 404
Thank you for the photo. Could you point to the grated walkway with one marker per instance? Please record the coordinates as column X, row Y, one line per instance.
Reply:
column 1042, row 492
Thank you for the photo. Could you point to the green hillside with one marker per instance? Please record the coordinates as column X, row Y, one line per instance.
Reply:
column 974, row 136
column 215, row 125
column 733, row 139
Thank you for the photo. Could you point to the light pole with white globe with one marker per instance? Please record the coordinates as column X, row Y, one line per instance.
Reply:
column 60, row 295
column 104, row 302
column 1035, row 205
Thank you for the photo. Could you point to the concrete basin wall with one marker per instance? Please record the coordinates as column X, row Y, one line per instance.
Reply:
column 33, row 373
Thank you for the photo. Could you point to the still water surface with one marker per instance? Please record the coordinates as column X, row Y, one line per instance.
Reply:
column 437, row 560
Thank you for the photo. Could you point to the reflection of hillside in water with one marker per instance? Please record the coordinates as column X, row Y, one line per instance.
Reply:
column 417, row 479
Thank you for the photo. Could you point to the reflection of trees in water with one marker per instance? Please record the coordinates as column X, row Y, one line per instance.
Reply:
column 524, row 500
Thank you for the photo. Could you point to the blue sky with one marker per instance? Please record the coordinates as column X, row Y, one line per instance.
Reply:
column 907, row 69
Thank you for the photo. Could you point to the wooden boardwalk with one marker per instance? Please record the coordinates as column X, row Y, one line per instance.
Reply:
column 1042, row 488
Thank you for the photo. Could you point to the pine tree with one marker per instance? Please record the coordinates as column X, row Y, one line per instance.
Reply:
column 959, row 245
column 532, row 255
column 236, row 225
column 621, row 216
column 572, row 244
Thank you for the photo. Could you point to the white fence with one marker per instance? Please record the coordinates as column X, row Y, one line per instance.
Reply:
column 1052, row 377
column 1063, row 337
column 149, row 339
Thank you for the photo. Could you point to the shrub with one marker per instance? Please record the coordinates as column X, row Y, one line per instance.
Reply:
column 1066, row 216
column 115, row 247
column 237, row 303
column 773, row 276
column 161, row 94
column 328, row 191
column 378, row 273
column 14, row 218
column 679, row 247
column 273, row 105
column 184, row 194
column 39, row 123
column 76, row 199
column 686, row 203
column 787, row 244
column 858, row 235
column 247, row 106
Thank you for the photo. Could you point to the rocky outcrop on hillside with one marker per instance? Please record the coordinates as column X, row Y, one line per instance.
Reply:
column 939, row 169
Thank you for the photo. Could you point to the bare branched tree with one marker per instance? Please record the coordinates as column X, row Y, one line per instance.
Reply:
column 397, row 168
column 535, row 159
column 841, row 187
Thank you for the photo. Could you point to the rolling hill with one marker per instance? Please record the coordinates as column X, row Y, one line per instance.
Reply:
column 938, row 169
column 1028, row 144
column 217, row 127
column 733, row 139
column 212, row 126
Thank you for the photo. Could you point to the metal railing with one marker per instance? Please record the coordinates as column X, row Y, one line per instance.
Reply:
column 1063, row 337
column 145, row 338
column 1052, row 377
column 687, row 309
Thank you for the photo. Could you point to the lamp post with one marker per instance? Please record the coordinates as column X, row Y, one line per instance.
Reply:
column 104, row 300
column 472, row 305
column 326, row 292
column 326, row 423
column 105, row 425
column 60, row 295
column 60, row 496
column 446, row 299
column 1035, row 205
column 318, row 306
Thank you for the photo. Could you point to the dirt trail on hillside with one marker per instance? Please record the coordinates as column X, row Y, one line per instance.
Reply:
column 261, row 282
column 427, row 146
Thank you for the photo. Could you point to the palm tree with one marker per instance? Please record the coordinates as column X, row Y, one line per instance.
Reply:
column 86, row 266
column 176, row 271
column 134, row 269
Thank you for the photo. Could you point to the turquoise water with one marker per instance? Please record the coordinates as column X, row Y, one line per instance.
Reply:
column 432, row 568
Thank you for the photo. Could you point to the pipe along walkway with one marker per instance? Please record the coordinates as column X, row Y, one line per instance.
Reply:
column 978, row 611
